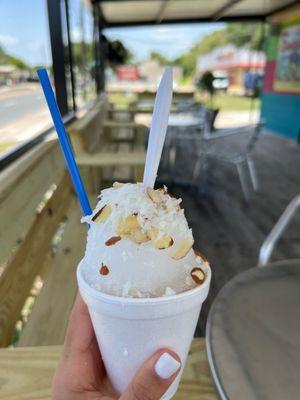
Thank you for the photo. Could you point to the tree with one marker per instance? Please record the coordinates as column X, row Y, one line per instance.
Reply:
column 17, row 62
column 117, row 53
column 249, row 35
column 2, row 56
column 206, row 83
column 246, row 35
column 8, row 59
column 162, row 60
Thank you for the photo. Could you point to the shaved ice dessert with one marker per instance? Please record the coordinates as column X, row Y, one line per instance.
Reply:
column 140, row 277
column 139, row 244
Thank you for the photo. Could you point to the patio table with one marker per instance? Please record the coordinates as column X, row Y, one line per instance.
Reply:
column 252, row 334
column 185, row 120
column 26, row 373
column 146, row 107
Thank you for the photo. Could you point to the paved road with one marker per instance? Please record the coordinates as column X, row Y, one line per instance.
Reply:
column 23, row 113
column 18, row 103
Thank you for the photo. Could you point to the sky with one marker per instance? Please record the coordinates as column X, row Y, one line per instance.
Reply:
column 24, row 30
column 170, row 40
column 24, row 33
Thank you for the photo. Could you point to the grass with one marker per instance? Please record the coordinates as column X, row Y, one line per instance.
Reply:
column 122, row 100
column 231, row 102
column 5, row 146
column 221, row 101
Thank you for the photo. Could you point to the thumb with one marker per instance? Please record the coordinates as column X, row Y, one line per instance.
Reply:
column 154, row 377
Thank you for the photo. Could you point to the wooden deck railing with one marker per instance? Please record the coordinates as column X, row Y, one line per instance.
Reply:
column 35, row 194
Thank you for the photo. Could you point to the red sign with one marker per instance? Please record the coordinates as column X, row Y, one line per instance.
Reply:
column 128, row 73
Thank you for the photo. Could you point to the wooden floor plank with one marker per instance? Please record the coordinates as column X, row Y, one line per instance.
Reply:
column 26, row 373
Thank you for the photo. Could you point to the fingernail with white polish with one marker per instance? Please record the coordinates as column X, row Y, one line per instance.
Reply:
column 166, row 366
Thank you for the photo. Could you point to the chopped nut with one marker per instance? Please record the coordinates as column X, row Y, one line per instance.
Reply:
column 161, row 243
column 183, row 249
column 113, row 240
column 154, row 196
column 104, row 270
column 198, row 275
column 203, row 258
column 117, row 185
column 127, row 225
column 163, row 191
column 102, row 214
column 138, row 236
column 164, row 243
column 153, row 233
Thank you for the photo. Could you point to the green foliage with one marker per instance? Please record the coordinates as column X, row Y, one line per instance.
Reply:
column 162, row 60
column 117, row 53
column 83, row 54
column 11, row 60
column 249, row 35
column 2, row 56
column 17, row 62
column 206, row 82
column 246, row 35
column 230, row 103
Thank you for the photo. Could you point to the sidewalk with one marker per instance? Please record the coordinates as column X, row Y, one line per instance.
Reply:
column 23, row 113
column 225, row 119
column 19, row 89
column 233, row 119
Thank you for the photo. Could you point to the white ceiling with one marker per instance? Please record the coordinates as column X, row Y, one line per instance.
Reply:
column 118, row 12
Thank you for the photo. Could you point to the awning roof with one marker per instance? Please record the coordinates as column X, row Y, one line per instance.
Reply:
column 144, row 12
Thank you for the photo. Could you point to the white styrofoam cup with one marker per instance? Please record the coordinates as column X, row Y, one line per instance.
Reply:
column 130, row 330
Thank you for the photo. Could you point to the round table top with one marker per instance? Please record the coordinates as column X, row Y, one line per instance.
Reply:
column 184, row 119
column 253, row 334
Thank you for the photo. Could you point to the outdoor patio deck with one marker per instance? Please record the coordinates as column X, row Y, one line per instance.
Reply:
column 230, row 232
column 226, row 229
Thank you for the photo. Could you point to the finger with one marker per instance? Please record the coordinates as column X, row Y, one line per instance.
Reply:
column 80, row 332
column 154, row 377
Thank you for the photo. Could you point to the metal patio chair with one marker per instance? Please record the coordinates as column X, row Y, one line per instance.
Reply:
column 222, row 146
column 253, row 328
column 186, row 105
column 181, row 151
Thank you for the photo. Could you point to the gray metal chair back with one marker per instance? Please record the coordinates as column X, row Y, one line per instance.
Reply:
column 279, row 228
column 182, row 149
column 235, row 146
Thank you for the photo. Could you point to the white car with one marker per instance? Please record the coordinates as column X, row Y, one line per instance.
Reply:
column 221, row 81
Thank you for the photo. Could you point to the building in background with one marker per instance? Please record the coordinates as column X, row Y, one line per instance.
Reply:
column 151, row 72
column 281, row 89
column 239, row 64
column 10, row 74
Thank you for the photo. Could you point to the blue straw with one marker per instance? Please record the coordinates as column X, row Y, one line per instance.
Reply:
column 64, row 142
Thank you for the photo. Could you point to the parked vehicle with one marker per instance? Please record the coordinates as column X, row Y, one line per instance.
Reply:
column 221, row 81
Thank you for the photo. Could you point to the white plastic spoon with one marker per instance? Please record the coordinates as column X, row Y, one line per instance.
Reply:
column 158, row 128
